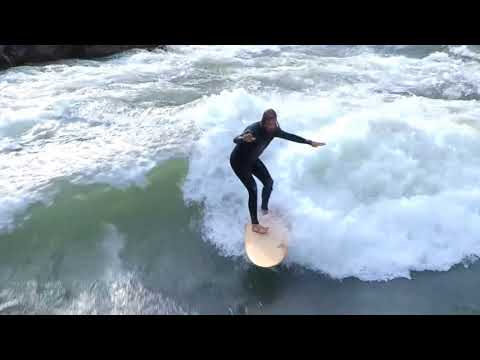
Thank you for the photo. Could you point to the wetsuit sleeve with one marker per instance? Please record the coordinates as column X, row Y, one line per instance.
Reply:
column 238, row 139
column 292, row 137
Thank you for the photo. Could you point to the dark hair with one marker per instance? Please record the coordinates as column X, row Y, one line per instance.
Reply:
column 268, row 115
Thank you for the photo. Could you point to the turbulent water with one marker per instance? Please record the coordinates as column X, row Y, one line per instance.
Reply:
column 116, row 193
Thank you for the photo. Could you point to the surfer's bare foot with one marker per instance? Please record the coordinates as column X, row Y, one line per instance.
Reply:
column 259, row 229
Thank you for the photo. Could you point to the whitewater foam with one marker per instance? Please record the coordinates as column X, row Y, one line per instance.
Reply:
column 394, row 190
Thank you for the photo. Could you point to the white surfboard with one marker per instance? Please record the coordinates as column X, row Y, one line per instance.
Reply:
column 270, row 249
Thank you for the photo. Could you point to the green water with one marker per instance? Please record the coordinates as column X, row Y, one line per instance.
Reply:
column 161, row 240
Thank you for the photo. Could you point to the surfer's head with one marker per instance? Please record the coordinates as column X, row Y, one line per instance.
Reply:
column 269, row 120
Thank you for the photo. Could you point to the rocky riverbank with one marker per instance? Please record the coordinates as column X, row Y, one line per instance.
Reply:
column 15, row 55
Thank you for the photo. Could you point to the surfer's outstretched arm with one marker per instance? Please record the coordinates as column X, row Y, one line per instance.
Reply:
column 292, row 137
column 298, row 139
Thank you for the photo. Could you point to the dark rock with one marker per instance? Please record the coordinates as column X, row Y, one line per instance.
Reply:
column 15, row 55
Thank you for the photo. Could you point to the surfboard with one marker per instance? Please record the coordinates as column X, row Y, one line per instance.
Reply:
column 270, row 249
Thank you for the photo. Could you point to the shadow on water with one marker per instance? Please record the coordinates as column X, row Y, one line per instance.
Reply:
column 261, row 287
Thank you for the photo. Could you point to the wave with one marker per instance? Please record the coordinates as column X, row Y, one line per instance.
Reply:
column 395, row 189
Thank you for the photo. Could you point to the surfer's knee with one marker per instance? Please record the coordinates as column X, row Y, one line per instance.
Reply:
column 252, row 190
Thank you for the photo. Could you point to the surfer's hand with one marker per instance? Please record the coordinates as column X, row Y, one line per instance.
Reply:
column 248, row 137
column 316, row 144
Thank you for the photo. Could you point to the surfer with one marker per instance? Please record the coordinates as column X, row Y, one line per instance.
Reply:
column 245, row 161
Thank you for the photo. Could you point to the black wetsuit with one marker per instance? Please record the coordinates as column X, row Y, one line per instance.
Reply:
column 245, row 163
